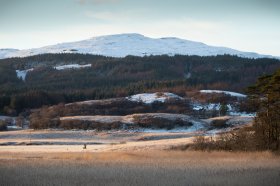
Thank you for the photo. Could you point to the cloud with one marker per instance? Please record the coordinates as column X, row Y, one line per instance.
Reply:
column 98, row 1
column 109, row 16
column 106, row 16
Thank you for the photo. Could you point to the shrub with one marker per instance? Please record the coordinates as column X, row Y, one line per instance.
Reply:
column 85, row 125
column 219, row 124
column 159, row 123
column 3, row 125
column 240, row 140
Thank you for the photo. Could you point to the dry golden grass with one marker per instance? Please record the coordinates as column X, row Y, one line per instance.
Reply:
column 140, row 168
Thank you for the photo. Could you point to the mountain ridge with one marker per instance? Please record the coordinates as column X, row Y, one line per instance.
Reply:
column 122, row 45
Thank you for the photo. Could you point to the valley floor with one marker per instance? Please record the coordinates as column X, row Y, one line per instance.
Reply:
column 73, row 141
column 54, row 157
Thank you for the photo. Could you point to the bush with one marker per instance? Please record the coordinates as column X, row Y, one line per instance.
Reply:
column 160, row 123
column 240, row 140
column 3, row 125
column 219, row 124
column 201, row 143
column 86, row 125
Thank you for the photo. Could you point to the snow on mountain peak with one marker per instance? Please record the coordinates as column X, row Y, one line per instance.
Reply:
column 122, row 45
column 6, row 52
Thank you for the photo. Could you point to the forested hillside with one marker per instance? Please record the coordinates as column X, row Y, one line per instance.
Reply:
column 109, row 77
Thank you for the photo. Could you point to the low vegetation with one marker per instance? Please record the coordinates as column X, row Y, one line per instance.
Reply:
column 140, row 168
column 241, row 140
column 3, row 125
column 160, row 123
column 48, row 117
column 90, row 125
column 219, row 124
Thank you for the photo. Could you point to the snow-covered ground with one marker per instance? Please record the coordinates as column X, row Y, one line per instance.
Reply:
column 13, row 127
column 197, row 126
column 149, row 98
column 21, row 74
column 146, row 98
column 234, row 94
column 213, row 106
column 244, row 114
column 122, row 45
column 210, row 106
column 72, row 66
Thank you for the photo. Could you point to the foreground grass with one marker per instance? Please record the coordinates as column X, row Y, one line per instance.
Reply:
column 140, row 168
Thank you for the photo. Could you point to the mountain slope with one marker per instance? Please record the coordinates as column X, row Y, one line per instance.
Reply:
column 122, row 45
column 7, row 52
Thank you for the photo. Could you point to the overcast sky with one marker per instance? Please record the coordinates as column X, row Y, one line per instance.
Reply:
column 248, row 25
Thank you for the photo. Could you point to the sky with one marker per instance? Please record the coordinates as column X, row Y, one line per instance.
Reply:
column 247, row 25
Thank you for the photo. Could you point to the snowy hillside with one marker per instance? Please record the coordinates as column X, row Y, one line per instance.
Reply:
column 6, row 53
column 131, row 44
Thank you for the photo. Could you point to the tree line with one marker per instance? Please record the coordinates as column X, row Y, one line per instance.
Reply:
column 118, row 77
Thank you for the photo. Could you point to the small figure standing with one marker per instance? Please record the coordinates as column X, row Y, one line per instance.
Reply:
column 85, row 146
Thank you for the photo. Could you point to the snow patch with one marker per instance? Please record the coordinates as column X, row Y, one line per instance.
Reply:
column 21, row 74
column 14, row 127
column 214, row 106
column 234, row 94
column 243, row 114
column 193, row 128
column 210, row 106
column 72, row 66
column 149, row 98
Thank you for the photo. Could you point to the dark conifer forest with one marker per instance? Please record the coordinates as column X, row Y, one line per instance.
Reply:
column 119, row 77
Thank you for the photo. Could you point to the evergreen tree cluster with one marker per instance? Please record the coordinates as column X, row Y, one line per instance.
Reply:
column 118, row 77
column 267, row 123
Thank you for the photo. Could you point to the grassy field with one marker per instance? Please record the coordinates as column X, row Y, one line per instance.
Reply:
column 140, row 168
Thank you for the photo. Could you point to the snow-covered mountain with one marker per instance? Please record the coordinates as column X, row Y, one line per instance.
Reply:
column 122, row 45
column 7, row 52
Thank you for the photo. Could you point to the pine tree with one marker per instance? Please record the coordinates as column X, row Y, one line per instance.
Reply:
column 267, row 122
column 223, row 109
